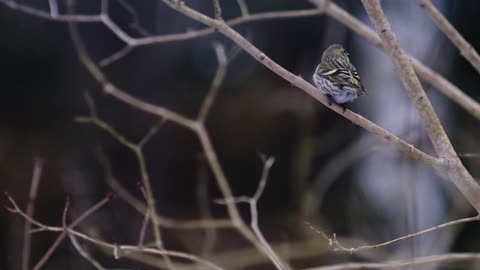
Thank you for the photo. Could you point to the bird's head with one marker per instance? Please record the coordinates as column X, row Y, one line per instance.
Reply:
column 335, row 50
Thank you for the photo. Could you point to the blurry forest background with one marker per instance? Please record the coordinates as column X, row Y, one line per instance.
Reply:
column 327, row 171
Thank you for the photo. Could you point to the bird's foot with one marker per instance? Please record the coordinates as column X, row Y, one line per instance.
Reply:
column 330, row 99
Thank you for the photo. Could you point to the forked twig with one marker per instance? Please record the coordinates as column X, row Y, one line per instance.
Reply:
column 253, row 201
column 118, row 250
column 137, row 149
column 15, row 209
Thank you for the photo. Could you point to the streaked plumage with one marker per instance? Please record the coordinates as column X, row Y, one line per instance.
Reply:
column 336, row 77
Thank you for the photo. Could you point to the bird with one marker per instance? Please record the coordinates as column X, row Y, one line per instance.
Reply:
column 337, row 78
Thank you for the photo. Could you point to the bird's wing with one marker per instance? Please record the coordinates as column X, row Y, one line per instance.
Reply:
column 338, row 75
column 355, row 78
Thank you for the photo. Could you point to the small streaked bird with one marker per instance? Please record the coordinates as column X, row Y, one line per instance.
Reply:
column 337, row 78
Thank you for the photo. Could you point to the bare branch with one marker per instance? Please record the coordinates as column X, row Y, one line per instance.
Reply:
column 53, row 8
column 122, row 250
column 32, row 197
column 16, row 210
column 116, row 56
column 109, row 129
column 267, row 165
column 151, row 132
column 233, row 22
column 469, row 155
column 146, row 218
column 229, row 203
column 138, row 151
column 243, row 8
column 454, row 167
column 204, row 208
column 217, row 9
column 141, row 208
column 135, row 24
column 455, row 37
column 104, row 7
column 216, row 82
column 84, row 253
column 112, row 90
column 47, row 15
column 90, row 104
column 252, row 202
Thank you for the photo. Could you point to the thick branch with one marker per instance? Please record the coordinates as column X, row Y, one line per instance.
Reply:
column 455, row 169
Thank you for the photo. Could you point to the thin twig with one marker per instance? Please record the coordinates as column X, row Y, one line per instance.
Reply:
column 116, row 56
column 53, row 8
column 217, row 9
column 155, row 39
column 252, row 202
column 229, row 200
column 141, row 208
column 63, row 234
column 243, row 8
column 339, row 247
column 106, row 127
column 216, row 82
column 104, row 7
column 84, row 253
column 469, row 155
column 400, row 264
column 465, row 48
column 204, row 207
column 90, row 104
column 143, row 229
column 32, row 197
column 135, row 24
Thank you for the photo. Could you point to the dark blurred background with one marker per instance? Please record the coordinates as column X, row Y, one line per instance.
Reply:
column 328, row 171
